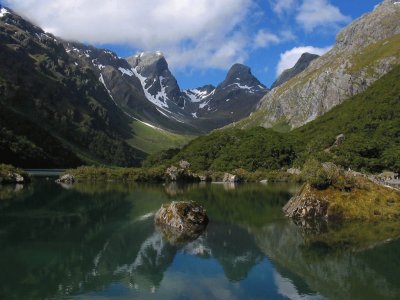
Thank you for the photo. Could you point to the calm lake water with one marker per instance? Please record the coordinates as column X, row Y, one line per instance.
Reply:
column 99, row 242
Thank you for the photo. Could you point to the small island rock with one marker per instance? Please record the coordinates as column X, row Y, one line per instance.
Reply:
column 181, row 221
column 67, row 179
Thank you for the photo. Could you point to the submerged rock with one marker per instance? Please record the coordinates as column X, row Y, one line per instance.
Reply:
column 182, row 221
column 66, row 179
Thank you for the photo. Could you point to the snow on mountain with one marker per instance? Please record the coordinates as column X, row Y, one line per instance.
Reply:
column 3, row 12
column 158, row 99
column 198, row 95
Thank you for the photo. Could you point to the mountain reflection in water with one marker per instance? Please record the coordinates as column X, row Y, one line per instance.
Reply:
column 98, row 241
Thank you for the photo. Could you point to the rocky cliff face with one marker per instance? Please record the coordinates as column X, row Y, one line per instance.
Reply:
column 300, row 66
column 365, row 51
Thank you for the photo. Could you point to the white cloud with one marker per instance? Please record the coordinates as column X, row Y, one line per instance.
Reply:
column 289, row 58
column 282, row 6
column 264, row 38
column 320, row 13
column 208, row 31
column 206, row 53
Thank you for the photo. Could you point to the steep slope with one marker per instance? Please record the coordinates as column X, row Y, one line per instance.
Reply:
column 369, row 121
column 70, row 113
column 365, row 51
column 302, row 64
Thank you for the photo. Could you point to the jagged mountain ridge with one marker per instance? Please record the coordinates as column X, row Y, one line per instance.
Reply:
column 365, row 50
column 144, row 87
column 206, row 107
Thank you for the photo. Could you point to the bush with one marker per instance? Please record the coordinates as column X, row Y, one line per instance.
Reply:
column 316, row 175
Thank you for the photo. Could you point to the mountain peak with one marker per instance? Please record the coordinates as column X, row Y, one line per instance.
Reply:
column 149, row 63
column 302, row 64
column 238, row 71
column 241, row 74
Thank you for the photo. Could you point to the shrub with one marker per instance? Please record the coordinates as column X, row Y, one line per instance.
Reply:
column 316, row 175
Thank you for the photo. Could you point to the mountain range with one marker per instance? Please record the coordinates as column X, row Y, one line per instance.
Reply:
column 66, row 103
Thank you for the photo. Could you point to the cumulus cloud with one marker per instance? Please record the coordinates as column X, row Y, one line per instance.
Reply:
column 207, row 31
column 289, row 58
column 320, row 13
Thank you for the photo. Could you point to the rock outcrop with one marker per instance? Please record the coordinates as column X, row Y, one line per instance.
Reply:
column 230, row 178
column 181, row 221
column 174, row 173
column 306, row 205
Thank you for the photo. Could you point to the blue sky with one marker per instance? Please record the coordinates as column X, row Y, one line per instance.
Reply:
column 201, row 39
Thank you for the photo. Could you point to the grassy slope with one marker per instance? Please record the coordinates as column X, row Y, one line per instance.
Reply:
column 370, row 122
column 151, row 140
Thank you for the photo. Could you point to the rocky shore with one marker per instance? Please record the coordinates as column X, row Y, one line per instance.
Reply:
column 12, row 175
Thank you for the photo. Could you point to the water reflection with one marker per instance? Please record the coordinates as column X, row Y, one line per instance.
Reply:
column 99, row 241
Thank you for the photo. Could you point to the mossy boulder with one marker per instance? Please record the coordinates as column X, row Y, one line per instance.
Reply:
column 181, row 221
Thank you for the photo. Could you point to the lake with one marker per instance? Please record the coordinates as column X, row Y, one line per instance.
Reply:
column 98, row 241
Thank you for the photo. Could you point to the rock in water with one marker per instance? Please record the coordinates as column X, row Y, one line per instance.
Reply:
column 67, row 179
column 230, row 178
column 182, row 221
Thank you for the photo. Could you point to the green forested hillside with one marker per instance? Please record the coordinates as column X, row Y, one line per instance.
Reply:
column 370, row 122
column 53, row 112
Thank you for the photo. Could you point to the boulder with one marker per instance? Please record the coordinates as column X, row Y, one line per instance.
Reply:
column 174, row 173
column 18, row 178
column 339, row 139
column 294, row 171
column 184, row 164
column 230, row 178
column 306, row 206
column 66, row 179
column 181, row 221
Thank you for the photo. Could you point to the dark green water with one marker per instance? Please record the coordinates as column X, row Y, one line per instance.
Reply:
column 99, row 242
